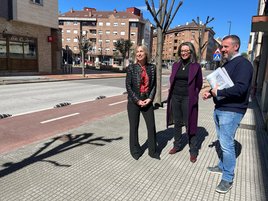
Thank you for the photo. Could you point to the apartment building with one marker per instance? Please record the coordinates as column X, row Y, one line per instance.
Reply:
column 189, row 32
column 29, row 37
column 103, row 28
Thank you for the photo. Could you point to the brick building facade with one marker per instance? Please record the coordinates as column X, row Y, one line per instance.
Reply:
column 103, row 28
column 29, row 37
column 189, row 32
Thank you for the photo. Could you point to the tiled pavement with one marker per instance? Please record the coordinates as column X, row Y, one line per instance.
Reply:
column 93, row 163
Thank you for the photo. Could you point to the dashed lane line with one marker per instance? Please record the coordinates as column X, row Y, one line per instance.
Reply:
column 116, row 103
column 58, row 118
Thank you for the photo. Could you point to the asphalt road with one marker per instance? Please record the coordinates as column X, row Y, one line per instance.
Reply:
column 19, row 99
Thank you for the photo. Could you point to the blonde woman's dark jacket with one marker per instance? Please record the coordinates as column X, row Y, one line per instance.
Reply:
column 133, row 82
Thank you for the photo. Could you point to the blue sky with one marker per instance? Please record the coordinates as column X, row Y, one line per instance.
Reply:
column 239, row 12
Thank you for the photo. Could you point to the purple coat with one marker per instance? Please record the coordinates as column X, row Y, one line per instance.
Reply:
column 195, row 81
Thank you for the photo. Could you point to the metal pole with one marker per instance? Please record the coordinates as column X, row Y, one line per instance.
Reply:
column 230, row 24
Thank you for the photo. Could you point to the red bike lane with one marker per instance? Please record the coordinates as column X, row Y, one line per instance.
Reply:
column 25, row 129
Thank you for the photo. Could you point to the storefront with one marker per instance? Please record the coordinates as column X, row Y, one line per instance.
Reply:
column 18, row 53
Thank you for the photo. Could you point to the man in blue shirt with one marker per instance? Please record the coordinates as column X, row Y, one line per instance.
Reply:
column 230, row 110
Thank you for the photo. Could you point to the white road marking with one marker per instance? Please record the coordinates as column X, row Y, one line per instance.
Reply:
column 58, row 118
column 116, row 103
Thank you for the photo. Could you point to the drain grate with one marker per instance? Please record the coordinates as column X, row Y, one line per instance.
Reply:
column 247, row 126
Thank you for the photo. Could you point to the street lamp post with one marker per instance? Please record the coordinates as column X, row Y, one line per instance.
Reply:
column 230, row 24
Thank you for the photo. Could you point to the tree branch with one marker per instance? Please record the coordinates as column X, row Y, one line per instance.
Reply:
column 167, row 25
column 153, row 14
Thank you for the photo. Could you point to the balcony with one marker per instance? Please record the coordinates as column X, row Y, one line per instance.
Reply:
column 259, row 23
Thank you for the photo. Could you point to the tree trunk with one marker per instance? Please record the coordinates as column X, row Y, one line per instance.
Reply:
column 158, row 95
column 83, row 63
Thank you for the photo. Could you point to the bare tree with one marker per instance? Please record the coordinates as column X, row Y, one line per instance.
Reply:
column 123, row 46
column 84, row 45
column 163, row 17
column 201, row 33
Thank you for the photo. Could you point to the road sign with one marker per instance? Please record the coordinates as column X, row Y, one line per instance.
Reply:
column 216, row 57
column 217, row 51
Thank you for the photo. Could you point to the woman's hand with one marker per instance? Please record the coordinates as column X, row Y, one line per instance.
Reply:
column 144, row 102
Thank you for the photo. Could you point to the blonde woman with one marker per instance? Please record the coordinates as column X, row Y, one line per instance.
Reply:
column 141, row 88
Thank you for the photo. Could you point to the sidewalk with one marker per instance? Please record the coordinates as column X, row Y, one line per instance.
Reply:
column 92, row 163
column 76, row 75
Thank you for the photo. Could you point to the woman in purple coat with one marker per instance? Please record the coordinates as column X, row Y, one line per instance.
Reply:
column 182, row 104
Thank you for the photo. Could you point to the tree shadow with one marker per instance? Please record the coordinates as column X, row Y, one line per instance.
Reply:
column 216, row 144
column 69, row 142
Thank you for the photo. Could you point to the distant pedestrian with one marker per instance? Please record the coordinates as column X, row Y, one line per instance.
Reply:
column 141, row 88
column 182, row 104
column 230, row 110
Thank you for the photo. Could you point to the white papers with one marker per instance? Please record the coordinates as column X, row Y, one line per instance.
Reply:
column 220, row 78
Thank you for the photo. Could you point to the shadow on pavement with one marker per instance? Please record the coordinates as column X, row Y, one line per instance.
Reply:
column 163, row 137
column 69, row 142
column 262, row 139
column 216, row 144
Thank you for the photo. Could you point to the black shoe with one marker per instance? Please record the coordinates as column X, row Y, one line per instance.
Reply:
column 136, row 156
column 155, row 155
column 224, row 186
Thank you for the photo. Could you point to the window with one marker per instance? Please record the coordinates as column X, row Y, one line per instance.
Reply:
column 115, row 33
column 107, row 32
column 68, row 39
column 123, row 24
column 3, row 48
column 93, row 31
column 75, row 40
column 40, row 2
column 115, row 24
column 75, row 31
column 61, row 22
column 132, row 33
column 75, row 48
column 100, row 31
column 108, row 23
column 122, row 33
column 22, row 49
column 107, row 41
column 75, row 23
column 133, row 24
column 16, row 49
column 100, row 41
column 68, row 31
column 100, row 24
column 29, row 50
